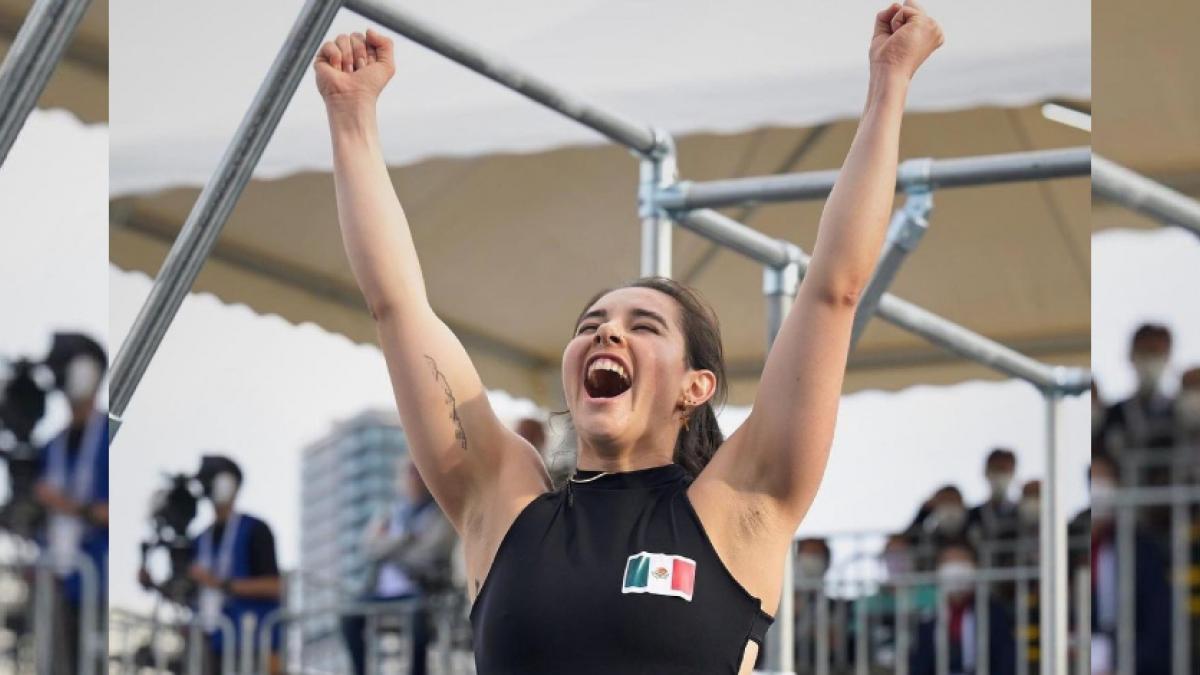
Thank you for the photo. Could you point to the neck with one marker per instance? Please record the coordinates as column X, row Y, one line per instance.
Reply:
column 224, row 512
column 590, row 460
column 80, row 414
column 651, row 450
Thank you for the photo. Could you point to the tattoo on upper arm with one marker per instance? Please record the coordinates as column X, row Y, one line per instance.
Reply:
column 459, row 434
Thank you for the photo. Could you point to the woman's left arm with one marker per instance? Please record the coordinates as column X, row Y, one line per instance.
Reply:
column 785, row 441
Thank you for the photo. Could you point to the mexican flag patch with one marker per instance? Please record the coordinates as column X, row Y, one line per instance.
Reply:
column 660, row 574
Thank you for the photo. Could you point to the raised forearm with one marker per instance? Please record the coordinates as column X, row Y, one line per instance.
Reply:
column 375, row 231
column 854, row 220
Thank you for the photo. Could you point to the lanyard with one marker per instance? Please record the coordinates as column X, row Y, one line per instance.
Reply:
column 77, row 480
column 222, row 567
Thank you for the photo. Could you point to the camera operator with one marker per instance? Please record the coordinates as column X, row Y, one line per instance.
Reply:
column 235, row 566
column 73, row 488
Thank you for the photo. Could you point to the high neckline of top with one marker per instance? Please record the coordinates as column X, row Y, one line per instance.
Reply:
column 618, row 480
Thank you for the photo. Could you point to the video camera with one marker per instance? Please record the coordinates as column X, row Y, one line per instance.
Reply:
column 172, row 511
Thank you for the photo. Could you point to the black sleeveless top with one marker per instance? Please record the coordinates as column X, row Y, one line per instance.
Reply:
column 613, row 575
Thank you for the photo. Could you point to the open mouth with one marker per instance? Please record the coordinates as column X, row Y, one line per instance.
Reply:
column 606, row 379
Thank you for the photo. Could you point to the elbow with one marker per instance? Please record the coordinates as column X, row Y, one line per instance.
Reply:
column 841, row 294
column 383, row 306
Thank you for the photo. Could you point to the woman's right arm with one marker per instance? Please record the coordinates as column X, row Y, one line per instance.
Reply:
column 464, row 452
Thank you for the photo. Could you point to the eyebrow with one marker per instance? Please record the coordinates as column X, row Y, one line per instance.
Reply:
column 636, row 312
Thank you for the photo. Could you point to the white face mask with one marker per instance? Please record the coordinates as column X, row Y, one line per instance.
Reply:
column 956, row 576
column 1187, row 408
column 810, row 566
column 224, row 487
column 1149, row 371
column 82, row 378
column 1029, row 510
column 999, row 483
column 950, row 518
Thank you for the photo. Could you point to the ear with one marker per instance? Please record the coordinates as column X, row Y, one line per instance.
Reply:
column 700, row 386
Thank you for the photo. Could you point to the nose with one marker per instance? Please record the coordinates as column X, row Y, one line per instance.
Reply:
column 606, row 333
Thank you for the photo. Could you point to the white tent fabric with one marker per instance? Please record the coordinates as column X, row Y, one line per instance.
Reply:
column 687, row 67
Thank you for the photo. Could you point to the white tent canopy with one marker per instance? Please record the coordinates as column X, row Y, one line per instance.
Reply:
column 186, row 74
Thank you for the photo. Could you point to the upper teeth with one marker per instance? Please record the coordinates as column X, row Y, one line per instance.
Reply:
column 607, row 364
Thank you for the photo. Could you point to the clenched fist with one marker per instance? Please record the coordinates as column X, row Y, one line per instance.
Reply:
column 355, row 67
column 904, row 37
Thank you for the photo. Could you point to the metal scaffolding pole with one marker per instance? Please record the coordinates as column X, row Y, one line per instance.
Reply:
column 1134, row 191
column 936, row 173
column 1052, row 602
column 656, row 171
column 215, row 203
column 779, row 290
column 637, row 137
column 26, row 70
column 907, row 228
column 943, row 332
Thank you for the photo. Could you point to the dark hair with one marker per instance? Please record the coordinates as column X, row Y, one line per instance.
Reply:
column 821, row 544
column 695, row 445
column 1000, row 454
column 1151, row 331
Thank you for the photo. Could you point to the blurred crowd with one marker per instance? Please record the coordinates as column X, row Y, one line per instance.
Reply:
column 54, row 517
column 939, row 563
column 1145, row 535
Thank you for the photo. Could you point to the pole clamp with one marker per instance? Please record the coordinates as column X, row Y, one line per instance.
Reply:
column 783, row 280
column 659, row 172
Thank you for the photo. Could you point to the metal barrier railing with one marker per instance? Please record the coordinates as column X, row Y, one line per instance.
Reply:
column 1125, row 502
column 443, row 610
column 127, row 659
column 820, row 655
column 36, row 614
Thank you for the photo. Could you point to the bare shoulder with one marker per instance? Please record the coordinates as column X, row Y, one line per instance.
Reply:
column 748, row 530
column 521, row 478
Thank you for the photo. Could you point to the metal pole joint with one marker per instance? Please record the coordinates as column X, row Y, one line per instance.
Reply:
column 912, row 219
column 915, row 174
column 784, row 280
column 659, row 173
column 1070, row 381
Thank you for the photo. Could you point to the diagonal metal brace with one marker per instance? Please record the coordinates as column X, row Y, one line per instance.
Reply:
column 908, row 226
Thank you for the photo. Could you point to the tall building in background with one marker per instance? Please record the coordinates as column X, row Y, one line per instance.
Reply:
column 346, row 477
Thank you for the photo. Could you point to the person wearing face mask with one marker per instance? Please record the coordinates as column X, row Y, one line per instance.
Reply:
column 995, row 520
column 811, row 563
column 73, row 488
column 409, row 548
column 942, row 518
column 1152, row 609
column 1145, row 420
column 234, row 567
column 1187, row 413
column 956, row 566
